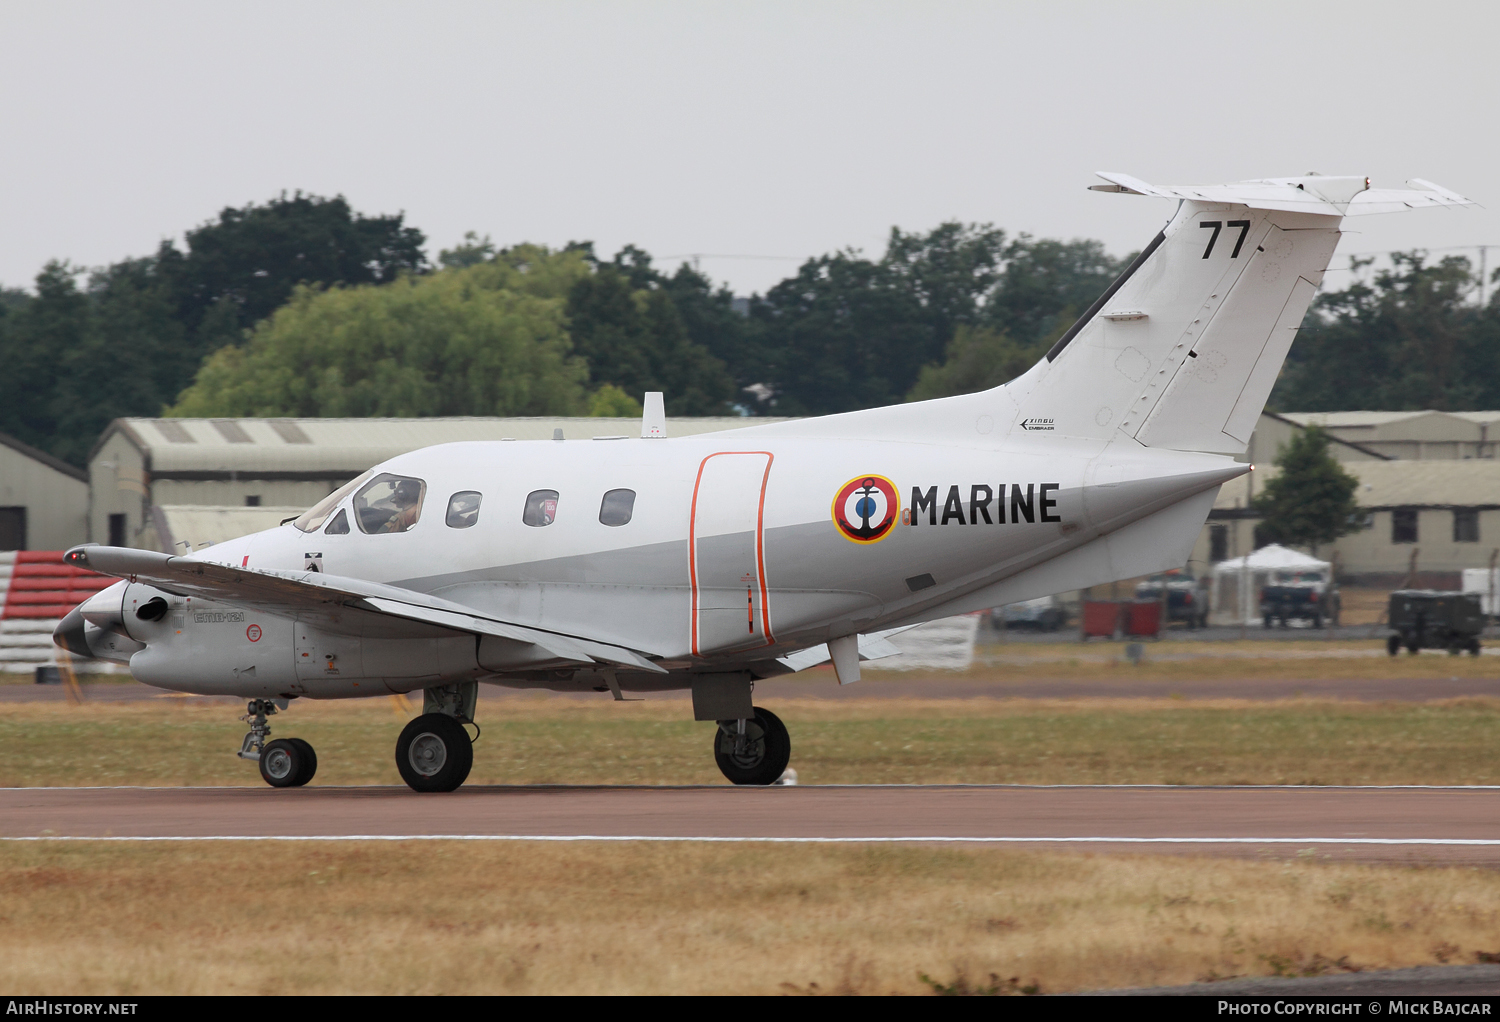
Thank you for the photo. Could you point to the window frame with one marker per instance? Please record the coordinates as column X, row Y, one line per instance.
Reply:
column 629, row 508
column 313, row 518
column 382, row 477
column 1401, row 516
column 1467, row 516
column 540, row 499
column 448, row 513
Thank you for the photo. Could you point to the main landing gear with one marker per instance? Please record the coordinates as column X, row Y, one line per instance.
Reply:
column 754, row 750
column 435, row 752
column 285, row 762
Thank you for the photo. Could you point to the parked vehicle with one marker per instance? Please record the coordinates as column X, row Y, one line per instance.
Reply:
column 1044, row 614
column 1431, row 619
column 1300, row 595
column 1187, row 599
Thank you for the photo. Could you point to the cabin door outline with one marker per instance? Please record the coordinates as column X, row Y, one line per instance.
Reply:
column 730, row 489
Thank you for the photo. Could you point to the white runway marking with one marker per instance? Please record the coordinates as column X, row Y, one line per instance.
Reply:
column 1415, row 841
column 401, row 789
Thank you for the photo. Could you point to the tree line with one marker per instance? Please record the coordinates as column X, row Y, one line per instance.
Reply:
column 302, row 306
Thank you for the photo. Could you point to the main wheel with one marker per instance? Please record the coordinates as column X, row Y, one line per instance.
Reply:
column 1393, row 644
column 1473, row 647
column 310, row 763
column 767, row 749
column 287, row 763
column 434, row 753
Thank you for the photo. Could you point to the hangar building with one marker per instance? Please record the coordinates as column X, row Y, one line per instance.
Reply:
column 1429, row 492
column 44, row 501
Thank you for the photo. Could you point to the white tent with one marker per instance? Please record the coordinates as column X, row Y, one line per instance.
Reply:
column 1237, row 583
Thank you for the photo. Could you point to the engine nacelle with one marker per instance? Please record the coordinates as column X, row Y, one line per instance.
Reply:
column 196, row 645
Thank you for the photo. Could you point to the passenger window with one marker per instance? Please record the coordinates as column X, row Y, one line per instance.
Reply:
column 617, row 507
column 463, row 509
column 541, row 508
column 313, row 518
column 389, row 503
column 339, row 526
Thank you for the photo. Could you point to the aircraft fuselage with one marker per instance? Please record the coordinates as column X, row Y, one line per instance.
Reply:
column 734, row 552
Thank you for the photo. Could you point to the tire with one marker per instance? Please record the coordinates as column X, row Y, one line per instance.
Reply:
column 1317, row 620
column 283, row 763
column 1473, row 647
column 310, row 764
column 434, row 753
column 1266, row 621
column 1393, row 644
column 1412, row 650
column 769, row 750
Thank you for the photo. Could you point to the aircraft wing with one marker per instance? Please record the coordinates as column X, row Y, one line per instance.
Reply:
column 284, row 591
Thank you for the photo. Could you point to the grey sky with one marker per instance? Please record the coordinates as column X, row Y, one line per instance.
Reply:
column 726, row 128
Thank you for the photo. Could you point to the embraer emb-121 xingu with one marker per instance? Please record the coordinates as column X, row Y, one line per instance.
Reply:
column 708, row 562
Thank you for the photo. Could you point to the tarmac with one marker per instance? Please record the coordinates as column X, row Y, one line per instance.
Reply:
column 1356, row 824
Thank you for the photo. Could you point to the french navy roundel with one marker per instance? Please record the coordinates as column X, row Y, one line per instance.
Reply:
column 866, row 507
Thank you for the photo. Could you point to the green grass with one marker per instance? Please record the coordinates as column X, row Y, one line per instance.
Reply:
column 166, row 742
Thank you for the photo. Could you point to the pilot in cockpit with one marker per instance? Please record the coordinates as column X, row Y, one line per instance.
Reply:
column 407, row 499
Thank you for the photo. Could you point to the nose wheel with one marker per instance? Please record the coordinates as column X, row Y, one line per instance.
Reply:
column 755, row 750
column 288, row 763
column 284, row 763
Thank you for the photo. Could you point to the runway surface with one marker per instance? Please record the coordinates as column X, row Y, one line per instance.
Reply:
column 1350, row 824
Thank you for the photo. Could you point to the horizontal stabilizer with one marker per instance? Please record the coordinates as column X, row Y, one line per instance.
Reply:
column 294, row 592
column 1329, row 196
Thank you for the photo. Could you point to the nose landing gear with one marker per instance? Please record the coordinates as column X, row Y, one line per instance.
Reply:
column 755, row 750
column 285, row 762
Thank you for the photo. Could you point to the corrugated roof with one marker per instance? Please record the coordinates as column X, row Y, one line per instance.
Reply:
column 1463, row 483
column 352, row 445
column 199, row 526
column 1396, row 483
column 1337, row 419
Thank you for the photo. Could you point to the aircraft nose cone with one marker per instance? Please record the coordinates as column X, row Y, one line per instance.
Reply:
column 69, row 634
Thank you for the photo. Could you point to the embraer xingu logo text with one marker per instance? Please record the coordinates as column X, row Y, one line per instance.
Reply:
column 985, row 504
column 865, row 508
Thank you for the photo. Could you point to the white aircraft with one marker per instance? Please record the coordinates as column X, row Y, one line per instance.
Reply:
column 708, row 562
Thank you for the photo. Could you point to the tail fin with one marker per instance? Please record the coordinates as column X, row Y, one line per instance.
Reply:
column 1182, row 351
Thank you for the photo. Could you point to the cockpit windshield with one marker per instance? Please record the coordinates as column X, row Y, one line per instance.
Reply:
column 313, row 518
column 389, row 503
